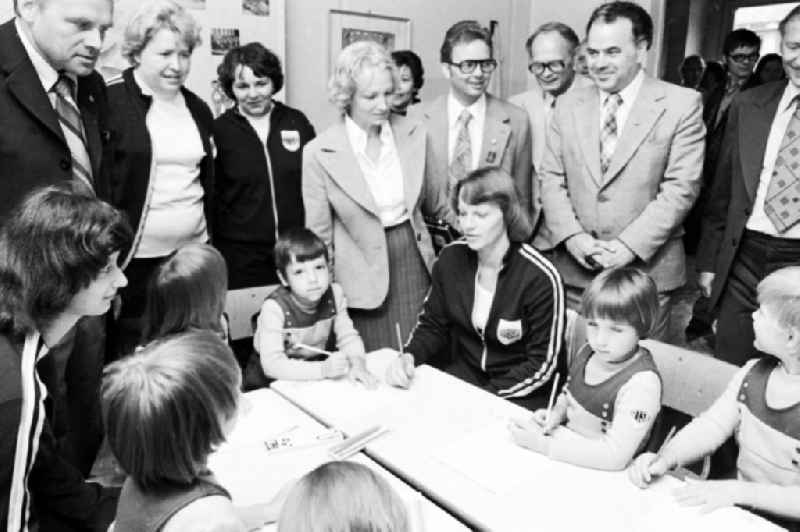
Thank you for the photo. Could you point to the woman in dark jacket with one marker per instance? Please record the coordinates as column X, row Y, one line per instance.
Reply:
column 162, row 168
column 495, row 302
column 259, row 154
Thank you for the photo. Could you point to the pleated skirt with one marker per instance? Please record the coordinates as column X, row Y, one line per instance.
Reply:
column 408, row 285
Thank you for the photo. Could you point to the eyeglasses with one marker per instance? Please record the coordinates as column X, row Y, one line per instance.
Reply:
column 556, row 67
column 468, row 65
column 744, row 58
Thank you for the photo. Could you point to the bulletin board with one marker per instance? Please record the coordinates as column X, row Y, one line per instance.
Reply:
column 224, row 24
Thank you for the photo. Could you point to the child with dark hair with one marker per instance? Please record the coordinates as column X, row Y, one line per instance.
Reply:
column 166, row 408
column 307, row 315
column 187, row 291
column 613, row 389
column 59, row 254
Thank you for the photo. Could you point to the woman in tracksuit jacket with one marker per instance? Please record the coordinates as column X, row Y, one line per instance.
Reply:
column 495, row 303
column 258, row 166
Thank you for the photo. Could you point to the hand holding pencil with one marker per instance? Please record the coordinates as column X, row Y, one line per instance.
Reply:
column 649, row 466
column 400, row 371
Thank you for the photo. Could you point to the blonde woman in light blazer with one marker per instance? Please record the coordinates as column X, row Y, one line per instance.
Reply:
column 364, row 188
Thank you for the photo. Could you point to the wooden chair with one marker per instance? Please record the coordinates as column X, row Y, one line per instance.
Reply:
column 241, row 305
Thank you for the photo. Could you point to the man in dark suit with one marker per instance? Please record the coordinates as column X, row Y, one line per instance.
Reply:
column 53, row 109
column 750, row 227
column 49, row 38
column 740, row 52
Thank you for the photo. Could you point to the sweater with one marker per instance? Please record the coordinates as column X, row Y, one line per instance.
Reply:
column 283, row 322
column 141, row 511
column 258, row 190
column 607, row 422
column 522, row 343
column 133, row 153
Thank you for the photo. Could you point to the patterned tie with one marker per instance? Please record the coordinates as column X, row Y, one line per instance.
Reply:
column 782, row 204
column 608, row 133
column 71, row 124
column 462, row 155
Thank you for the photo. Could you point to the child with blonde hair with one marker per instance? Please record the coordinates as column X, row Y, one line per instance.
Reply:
column 761, row 408
column 612, row 396
column 304, row 317
column 165, row 409
column 342, row 497
column 187, row 291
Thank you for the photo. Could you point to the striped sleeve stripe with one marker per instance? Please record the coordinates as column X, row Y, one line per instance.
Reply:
column 28, row 434
column 545, row 371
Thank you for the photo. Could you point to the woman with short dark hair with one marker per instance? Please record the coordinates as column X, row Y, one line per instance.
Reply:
column 258, row 166
column 495, row 303
column 410, row 76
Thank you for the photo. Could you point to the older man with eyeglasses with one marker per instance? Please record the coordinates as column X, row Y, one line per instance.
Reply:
column 469, row 128
column 551, row 60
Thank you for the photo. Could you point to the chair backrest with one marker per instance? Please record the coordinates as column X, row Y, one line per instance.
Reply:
column 575, row 334
column 241, row 304
column 691, row 381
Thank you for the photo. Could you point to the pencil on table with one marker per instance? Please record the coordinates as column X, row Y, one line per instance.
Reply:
column 552, row 398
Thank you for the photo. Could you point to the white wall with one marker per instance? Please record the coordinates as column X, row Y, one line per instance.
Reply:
column 307, row 43
column 575, row 13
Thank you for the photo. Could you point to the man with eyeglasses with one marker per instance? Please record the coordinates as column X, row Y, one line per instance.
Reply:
column 551, row 51
column 622, row 164
column 469, row 128
column 740, row 51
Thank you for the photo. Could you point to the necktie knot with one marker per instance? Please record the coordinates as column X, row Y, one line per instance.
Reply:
column 613, row 101
column 65, row 87
column 464, row 117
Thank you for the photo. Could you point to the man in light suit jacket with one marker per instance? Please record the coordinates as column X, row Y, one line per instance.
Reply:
column 740, row 244
column 623, row 163
column 551, row 53
column 496, row 133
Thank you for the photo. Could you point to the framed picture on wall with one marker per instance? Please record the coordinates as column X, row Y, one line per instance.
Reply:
column 347, row 27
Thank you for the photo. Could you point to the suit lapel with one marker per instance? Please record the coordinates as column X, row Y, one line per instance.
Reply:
column 646, row 110
column 438, row 131
column 586, row 117
column 496, row 131
column 755, row 122
column 410, row 142
column 27, row 88
column 339, row 160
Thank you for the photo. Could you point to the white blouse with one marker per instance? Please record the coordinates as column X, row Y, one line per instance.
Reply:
column 384, row 177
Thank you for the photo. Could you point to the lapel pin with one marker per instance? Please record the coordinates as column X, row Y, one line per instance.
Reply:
column 491, row 156
column 91, row 98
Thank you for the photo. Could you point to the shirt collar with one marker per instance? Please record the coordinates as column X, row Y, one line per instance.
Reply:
column 789, row 94
column 47, row 74
column 358, row 137
column 629, row 92
column 454, row 108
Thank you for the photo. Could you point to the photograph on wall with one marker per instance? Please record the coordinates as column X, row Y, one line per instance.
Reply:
column 259, row 8
column 193, row 4
column 384, row 38
column 223, row 39
column 347, row 27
